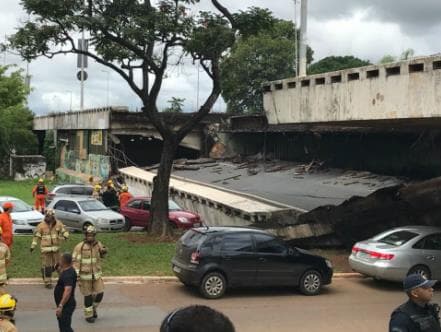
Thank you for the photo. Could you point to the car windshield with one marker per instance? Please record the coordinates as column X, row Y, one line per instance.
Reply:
column 397, row 238
column 19, row 206
column 92, row 205
column 172, row 206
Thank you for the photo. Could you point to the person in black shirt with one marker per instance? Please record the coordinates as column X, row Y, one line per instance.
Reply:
column 417, row 314
column 110, row 198
column 64, row 293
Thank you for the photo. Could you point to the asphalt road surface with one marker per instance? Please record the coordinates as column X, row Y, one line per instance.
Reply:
column 347, row 305
column 305, row 191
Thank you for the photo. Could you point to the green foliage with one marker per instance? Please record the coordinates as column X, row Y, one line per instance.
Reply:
column 49, row 150
column 387, row 59
column 405, row 55
column 15, row 118
column 333, row 63
column 265, row 51
column 176, row 105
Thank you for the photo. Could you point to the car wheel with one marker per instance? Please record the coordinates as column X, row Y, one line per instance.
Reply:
column 127, row 224
column 213, row 285
column 422, row 270
column 311, row 283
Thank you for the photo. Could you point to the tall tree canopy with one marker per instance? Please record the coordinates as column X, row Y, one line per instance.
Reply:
column 15, row 118
column 265, row 51
column 137, row 38
column 333, row 63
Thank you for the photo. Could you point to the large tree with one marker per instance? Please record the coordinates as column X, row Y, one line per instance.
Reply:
column 130, row 37
column 265, row 51
column 333, row 63
column 15, row 118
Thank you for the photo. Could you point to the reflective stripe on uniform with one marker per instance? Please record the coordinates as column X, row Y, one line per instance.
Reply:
column 2, row 263
column 91, row 276
column 49, row 249
column 88, row 260
column 37, row 234
column 88, row 312
column 50, row 236
column 3, row 277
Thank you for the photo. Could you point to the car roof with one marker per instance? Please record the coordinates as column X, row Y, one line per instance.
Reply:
column 73, row 185
column 9, row 198
column 73, row 198
column 230, row 229
column 417, row 228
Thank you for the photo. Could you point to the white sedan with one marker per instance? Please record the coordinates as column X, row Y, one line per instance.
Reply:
column 24, row 217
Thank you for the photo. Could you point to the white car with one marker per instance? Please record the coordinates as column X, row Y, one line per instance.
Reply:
column 24, row 217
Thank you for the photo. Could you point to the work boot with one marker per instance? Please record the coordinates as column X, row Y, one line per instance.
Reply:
column 90, row 319
column 95, row 313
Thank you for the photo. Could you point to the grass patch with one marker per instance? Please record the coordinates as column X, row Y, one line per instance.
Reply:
column 20, row 189
column 137, row 254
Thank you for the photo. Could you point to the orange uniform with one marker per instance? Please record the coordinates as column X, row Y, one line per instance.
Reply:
column 39, row 192
column 124, row 197
column 6, row 227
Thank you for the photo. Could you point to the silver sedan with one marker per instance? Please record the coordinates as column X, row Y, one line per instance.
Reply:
column 394, row 254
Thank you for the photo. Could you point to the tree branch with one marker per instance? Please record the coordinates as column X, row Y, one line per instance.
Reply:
column 225, row 12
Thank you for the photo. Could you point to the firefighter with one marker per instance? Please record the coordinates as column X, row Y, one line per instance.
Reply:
column 124, row 197
column 51, row 233
column 39, row 193
column 6, row 223
column 96, row 192
column 87, row 256
column 5, row 258
column 7, row 309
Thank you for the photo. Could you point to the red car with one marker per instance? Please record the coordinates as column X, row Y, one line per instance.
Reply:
column 137, row 213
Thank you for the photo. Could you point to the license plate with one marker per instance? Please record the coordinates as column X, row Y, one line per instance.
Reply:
column 177, row 269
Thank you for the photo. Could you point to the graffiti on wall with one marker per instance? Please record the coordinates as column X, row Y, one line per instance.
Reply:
column 96, row 165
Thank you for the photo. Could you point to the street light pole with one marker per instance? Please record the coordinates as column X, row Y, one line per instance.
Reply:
column 303, row 29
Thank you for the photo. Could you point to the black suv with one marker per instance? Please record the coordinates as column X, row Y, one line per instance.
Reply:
column 215, row 258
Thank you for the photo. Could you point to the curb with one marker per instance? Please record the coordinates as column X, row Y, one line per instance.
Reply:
column 145, row 279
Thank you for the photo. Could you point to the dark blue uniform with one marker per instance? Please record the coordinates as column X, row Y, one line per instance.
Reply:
column 410, row 317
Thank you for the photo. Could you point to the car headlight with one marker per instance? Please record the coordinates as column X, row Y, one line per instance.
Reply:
column 18, row 222
column 102, row 221
column 183, row 220
column 328, row 263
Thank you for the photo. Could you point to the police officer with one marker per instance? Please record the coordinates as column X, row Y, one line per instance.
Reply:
column 417, row 314
column 50, row 232
column 87, row 257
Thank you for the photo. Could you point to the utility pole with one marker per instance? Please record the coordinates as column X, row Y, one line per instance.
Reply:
column 303, row 39
column 82, row 72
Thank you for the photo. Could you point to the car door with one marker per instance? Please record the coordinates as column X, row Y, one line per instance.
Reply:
column 60, row 211
column 430, row 249
column 145, row 213
column 133, row 211
column 274, row 265
column 238, row 258
column 73, row 215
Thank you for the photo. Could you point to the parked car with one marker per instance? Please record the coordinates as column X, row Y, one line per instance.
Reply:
column 137, row 213
column 216, row 258
column 398, row 252
column 24, row 217
column 79, row 212
column 69, row 190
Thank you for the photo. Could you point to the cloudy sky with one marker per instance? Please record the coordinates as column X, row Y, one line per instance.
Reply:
column 367, row 29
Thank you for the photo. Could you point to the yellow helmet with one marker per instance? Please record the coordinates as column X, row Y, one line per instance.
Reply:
column 125, row 188
column 90, row 230
column 110, row 182
column 50, row 212
column 97, row 187
column 7, row 303
column 40, row 180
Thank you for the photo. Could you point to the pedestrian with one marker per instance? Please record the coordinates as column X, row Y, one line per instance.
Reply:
column 196, row 318
column 50, row 232
column 110, row 198
column 7, row 309
column 39, row 192
column 87, row 256
column 417, row 314
column 6, row 223
column 64, row 293
column 125, row 196
column 5, row 258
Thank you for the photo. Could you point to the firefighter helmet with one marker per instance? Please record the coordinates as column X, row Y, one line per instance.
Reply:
column 50, row 212
column 7, row 303
column 90, row 229
column 40, row 180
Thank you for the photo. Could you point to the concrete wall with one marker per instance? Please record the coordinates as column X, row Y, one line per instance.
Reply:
column 96, row 165
column 404, row 90
column 98, row 118
column 28, row 167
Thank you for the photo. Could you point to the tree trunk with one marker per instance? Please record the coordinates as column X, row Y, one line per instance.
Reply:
column 159, row 224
